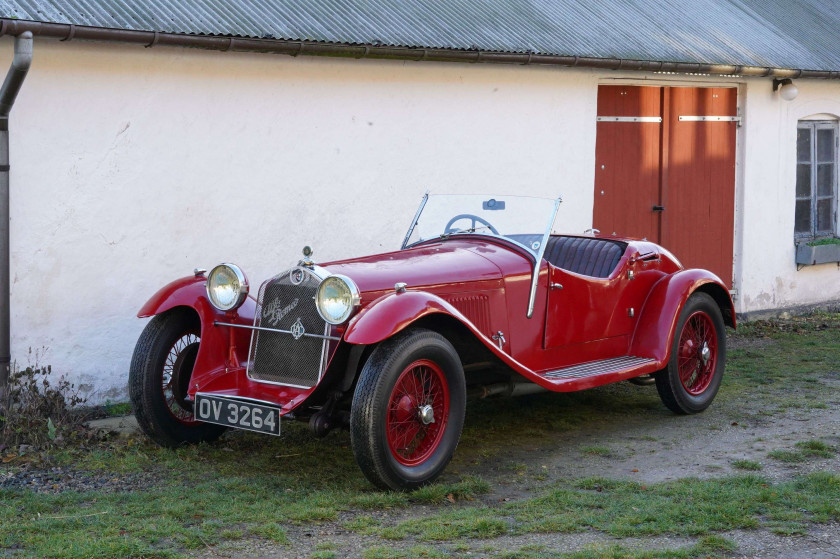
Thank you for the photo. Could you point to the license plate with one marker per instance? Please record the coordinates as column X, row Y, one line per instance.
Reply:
column 237, row 413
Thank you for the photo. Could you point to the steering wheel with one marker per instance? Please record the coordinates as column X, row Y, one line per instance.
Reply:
column 475, row 220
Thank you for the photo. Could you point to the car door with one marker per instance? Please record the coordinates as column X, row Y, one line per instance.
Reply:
column 580, row 308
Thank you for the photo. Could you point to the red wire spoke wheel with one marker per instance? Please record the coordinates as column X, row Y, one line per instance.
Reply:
column 159, row 379
column 417, row 412
column 408, row 410
column 698, row 355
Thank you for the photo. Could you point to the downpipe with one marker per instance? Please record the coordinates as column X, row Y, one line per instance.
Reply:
column 8, row 93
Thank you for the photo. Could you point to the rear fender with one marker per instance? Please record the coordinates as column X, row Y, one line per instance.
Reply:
column 658, row 318
column 395, row 312
column 224, row 346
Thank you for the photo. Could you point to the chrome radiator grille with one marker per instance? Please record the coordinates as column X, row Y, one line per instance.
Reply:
column 287, row 302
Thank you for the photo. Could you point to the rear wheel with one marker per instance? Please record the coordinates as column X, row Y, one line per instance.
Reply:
column 408, row 410
column 159, row 379
column 698, row 356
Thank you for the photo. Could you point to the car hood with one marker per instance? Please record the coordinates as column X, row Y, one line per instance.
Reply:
column 429, row 265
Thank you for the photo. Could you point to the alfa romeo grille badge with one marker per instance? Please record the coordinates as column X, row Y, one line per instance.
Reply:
column 297, row 276
column 297, row 329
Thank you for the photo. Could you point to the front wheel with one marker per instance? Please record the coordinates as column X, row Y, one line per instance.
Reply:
column 698, row 356
column 159, row 379
column 408, row 410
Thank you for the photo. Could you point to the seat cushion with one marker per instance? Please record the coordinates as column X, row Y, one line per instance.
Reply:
column 583, row 255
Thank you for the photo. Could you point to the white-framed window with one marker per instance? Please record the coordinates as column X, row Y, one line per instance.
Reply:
column 816, row 179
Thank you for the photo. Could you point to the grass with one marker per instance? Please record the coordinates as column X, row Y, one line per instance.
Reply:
column 748, row 465
column 710, row 546
column 247, row 486
column 687, row 507
column 806, row 450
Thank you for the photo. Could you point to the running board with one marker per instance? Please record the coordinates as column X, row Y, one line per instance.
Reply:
column 596, row 373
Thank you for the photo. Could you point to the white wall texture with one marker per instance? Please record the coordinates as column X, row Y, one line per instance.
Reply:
column 132, row 166
column 768, row 275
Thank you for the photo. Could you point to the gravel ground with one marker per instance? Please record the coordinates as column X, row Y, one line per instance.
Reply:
column 59, row 479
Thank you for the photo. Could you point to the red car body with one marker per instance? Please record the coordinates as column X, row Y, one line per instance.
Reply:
column 586, row 329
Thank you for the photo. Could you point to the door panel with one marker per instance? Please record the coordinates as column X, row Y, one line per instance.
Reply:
column 581, row 310
column 686, row 168
column 699, row 197
column 627, row 162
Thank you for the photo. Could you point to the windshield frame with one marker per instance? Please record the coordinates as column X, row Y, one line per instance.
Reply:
column 538, row 256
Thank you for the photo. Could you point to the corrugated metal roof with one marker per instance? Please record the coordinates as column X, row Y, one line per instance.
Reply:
column 773, row 33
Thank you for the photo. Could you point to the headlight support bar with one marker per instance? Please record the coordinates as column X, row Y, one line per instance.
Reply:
column 277, row 330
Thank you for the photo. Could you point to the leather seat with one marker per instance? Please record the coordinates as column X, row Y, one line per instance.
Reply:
column 585, row 256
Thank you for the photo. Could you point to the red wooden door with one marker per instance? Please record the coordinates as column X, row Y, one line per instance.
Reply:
column 665, row 170
column 627, row 160
column 699, row 188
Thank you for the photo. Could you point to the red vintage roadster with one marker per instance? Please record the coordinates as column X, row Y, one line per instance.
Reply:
column 481, row 297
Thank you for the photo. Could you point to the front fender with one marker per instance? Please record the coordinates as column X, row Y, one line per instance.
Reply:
column 658, row 318
column 221, row 346
column 183, row 292
column 392, row 313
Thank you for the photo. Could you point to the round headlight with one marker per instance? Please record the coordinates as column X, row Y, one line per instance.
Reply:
column 337, row 298
column 227, row 287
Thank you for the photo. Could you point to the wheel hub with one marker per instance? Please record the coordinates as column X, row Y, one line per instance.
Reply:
column 705, row 353
column 427, row 414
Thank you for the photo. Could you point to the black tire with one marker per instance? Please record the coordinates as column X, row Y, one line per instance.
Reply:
column 408, row 356
column 167, row 347
column 700, row 323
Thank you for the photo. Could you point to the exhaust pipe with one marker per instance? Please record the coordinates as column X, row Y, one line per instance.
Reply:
column 506, row 389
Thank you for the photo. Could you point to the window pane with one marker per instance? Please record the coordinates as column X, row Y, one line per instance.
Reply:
column 803, row 144
column 803, row 180
column 824, row 222
column 825, row 145
column 803, row 216
column 825, row 179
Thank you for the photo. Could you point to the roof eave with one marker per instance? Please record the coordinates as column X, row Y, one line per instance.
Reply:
column 67, row 32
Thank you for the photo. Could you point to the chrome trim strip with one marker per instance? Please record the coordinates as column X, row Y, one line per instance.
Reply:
column 217, row 323
column 710, row 119
column 416, row 217
column 535, row 276
column 629, row 119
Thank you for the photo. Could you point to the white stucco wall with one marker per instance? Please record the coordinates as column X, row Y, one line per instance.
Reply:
column 132, row 166
column 768, row 275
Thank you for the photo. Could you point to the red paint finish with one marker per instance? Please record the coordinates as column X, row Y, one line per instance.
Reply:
column 683, row 166
column 441, row 263
column 585, row 321
column 659, row 315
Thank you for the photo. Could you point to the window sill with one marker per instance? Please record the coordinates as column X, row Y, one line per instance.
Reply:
column 807, row 255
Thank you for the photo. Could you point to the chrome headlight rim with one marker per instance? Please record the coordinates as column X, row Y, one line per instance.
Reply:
column 242, row 290
column 355, row 298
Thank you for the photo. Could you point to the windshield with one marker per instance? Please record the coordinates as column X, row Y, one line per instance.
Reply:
column 522, row 219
